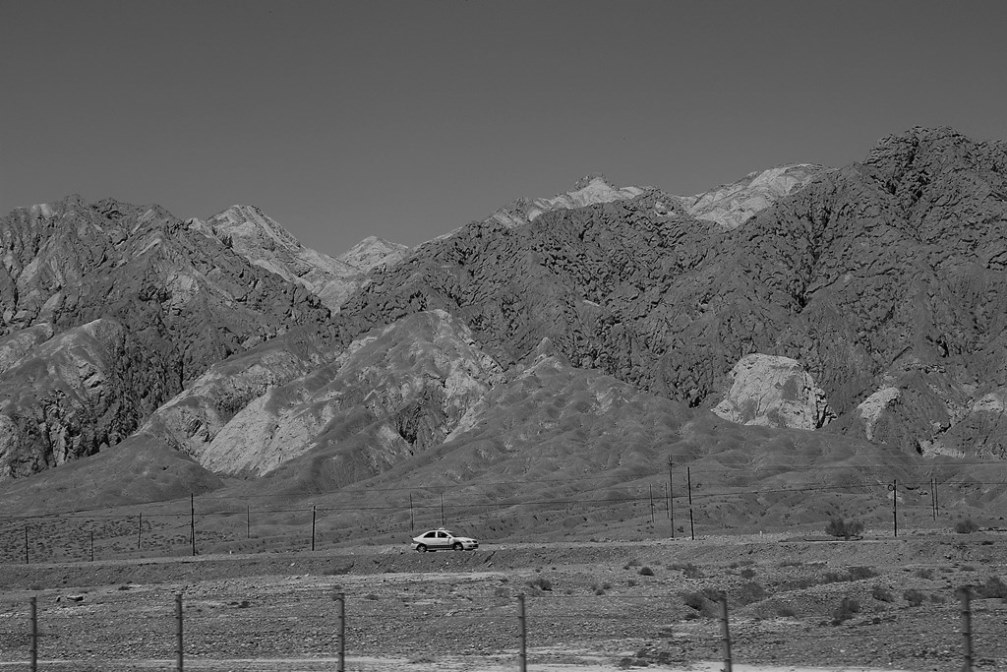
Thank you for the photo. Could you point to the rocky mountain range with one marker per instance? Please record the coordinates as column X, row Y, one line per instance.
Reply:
column 862, row 304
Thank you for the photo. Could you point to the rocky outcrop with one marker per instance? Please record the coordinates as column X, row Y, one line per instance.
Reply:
column 775, row 392
column 392, row 394
column 731, row 205
column 15, row 346
column 71, row 396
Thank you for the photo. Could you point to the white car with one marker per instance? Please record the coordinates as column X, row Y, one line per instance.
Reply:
column 443, row 540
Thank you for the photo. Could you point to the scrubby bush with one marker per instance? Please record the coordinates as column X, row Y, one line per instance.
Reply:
column 747, row 573
column 966, row 526
column 994, row 587
column 750, row 592
column 541, row 583
column 688, row 569
column 925, row 573
column 881, row 594
column 844, row 612
column 703, row 602
column 914, row 597
column 837, row 527
column 646, row 571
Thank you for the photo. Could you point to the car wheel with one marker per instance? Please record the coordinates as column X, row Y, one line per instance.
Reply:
column 421, row 548
column 457, row 546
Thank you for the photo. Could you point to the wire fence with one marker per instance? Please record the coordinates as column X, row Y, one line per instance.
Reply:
column 686, row 505
column 326, row 629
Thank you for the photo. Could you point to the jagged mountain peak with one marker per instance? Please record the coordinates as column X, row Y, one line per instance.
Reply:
column 589, row 190
column 595, row 180
column 267, row 244
column 372, row 252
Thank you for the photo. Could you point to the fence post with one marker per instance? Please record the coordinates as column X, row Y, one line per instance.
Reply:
column 139, row 532
column 725, row 632
column 671, row 500
column 966, row 597
column 312, row 527
column 651, row 488
column 178, row 622
column 341, row 599
column 893, row 488
column 523, row 655
column 34, row 634
column 26, row 544
column 692, row 526
column 192, row 521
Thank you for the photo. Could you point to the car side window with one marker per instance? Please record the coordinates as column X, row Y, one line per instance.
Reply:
column 429, row 535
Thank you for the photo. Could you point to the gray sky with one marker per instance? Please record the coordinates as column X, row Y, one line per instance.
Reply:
column 408, row 119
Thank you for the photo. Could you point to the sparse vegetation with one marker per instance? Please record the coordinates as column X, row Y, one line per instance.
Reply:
column 993, row 587
column 838, row 527
column 688, row 569
column 540, row 583
column 914, row 597
column 750, row 592
column 966, row 526
column 845, row 611
column 646, row 571
column 881, row 594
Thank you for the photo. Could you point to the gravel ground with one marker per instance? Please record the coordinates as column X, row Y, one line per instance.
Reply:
column 875, row 603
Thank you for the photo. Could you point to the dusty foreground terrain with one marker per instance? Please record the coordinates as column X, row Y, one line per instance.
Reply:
column 878, row 602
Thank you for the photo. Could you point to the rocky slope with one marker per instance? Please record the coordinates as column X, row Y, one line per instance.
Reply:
column 394, row 393
column 873, row 298
column 180, row 300
column 731, row 205
column 883, row 272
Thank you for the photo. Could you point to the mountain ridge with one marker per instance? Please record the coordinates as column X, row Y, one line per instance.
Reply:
column 884, row 280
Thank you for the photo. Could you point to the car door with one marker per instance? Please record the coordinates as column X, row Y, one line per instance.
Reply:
column 443, row 539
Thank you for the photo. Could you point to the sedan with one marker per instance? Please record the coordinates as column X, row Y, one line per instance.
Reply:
column 442, row 540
